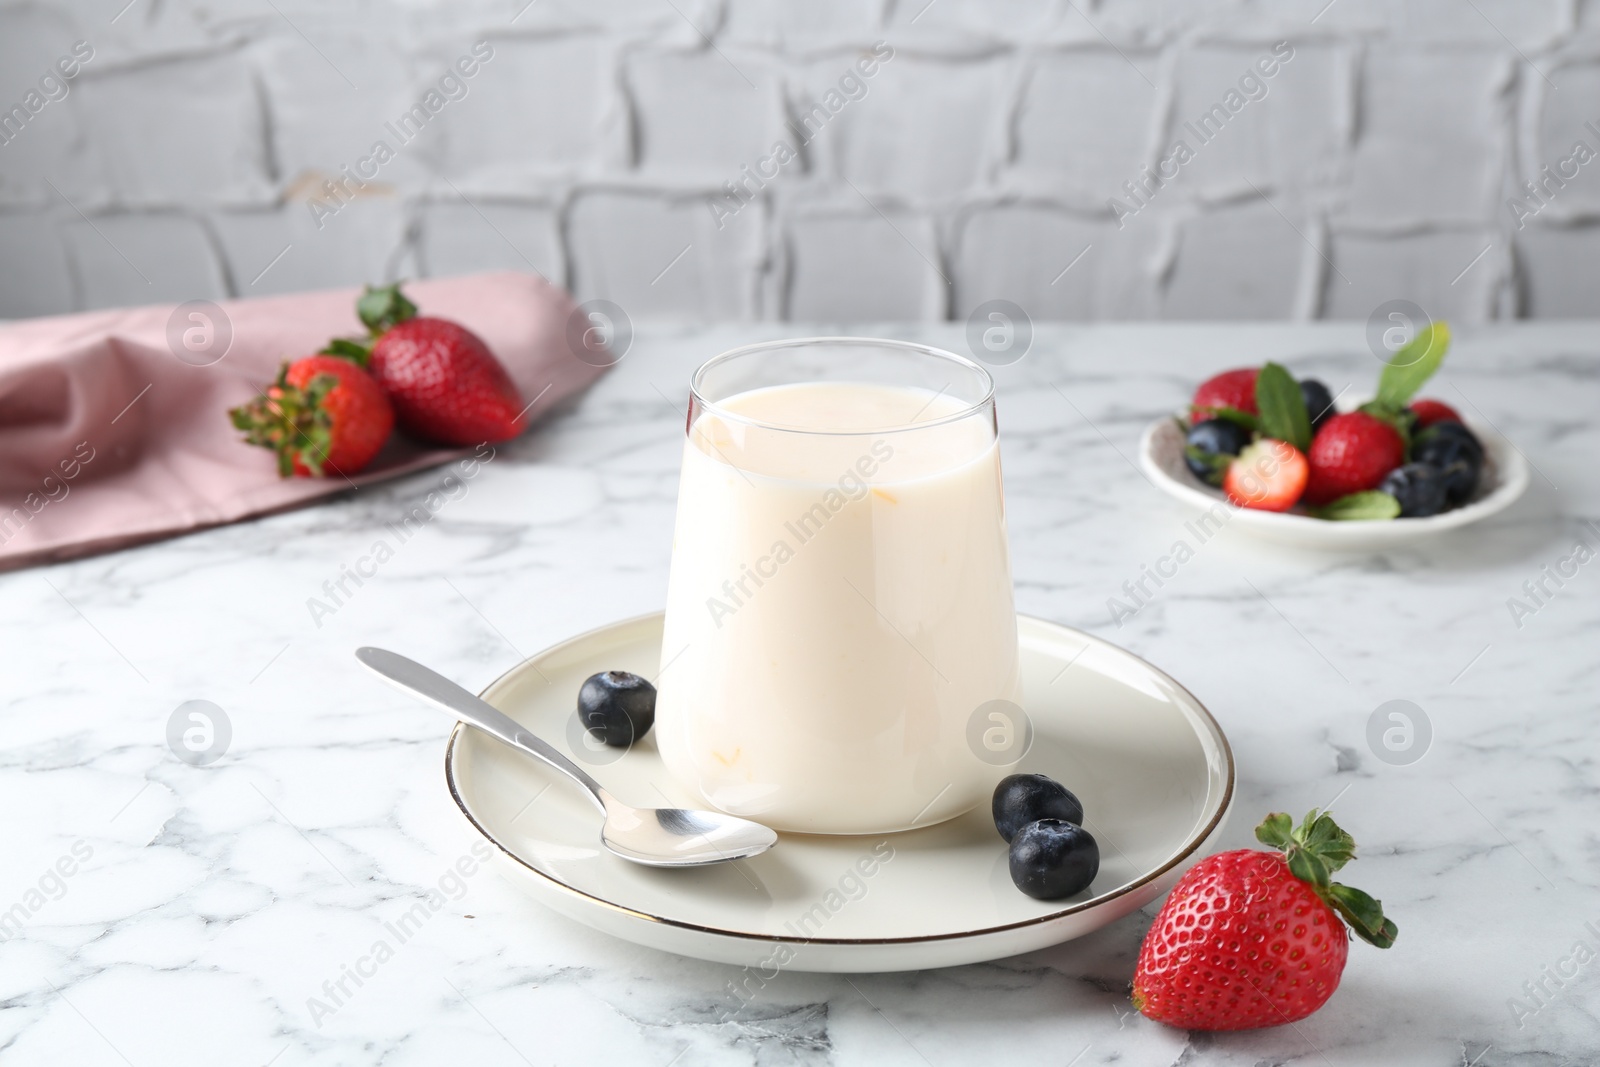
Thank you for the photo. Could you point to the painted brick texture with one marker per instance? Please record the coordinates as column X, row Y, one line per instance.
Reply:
column 819, row 160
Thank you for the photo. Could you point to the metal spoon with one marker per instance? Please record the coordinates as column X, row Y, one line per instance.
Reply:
column 657, row 837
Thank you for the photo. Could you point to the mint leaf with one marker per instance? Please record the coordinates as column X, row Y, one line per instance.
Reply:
column 1360, row 507
column 1413, row 365
column 1282, row 407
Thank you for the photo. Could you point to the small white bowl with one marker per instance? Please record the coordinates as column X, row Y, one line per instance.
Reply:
column 1505, row 477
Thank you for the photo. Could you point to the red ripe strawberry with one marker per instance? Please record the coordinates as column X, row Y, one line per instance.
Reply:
column 1268, row 475
column 1230, row 389
column 1249, row 939
column 1429, row 412
column 1352, row 453
column 323, row 415
column 446, row 385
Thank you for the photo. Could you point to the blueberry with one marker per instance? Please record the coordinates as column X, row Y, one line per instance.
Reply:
column 1419, row 487
column 1051, row 859
column 1213, row 437
column 1457, row 452
column 1024, row 798
column 1444, row 443
column 1319, row 402
column 616, row 707
column 1460, row 482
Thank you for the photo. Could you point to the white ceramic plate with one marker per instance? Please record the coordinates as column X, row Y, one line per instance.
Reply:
column 1151, row 766
column 1505, row 477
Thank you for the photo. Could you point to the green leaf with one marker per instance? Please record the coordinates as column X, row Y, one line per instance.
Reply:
column 380, row 309
column 294, row 422
column 1282, row 407
column 1363, row 913
column 1412, row 366
column 1314, row 850
column 1233, row 415
column 1275, row 830
column 346, row 348
column 1367, row 506
column 1307, row 866
column 1320, row 834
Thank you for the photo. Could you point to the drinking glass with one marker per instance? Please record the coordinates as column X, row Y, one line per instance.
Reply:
column 840, row 638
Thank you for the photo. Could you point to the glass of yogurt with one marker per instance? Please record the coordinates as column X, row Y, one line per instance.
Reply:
column 840, row 648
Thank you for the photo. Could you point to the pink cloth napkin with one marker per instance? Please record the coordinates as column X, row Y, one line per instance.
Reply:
column 108, row 438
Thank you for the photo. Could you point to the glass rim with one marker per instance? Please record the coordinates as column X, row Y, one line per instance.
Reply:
column 698, row 398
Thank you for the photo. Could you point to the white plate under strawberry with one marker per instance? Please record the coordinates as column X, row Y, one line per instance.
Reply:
column 1276, row 458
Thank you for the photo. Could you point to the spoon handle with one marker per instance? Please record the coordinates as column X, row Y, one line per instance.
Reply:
column 436, row 689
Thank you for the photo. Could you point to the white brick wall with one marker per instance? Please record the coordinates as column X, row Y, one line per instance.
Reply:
column 976, row 163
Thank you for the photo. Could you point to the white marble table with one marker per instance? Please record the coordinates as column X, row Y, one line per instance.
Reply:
column 206, row 905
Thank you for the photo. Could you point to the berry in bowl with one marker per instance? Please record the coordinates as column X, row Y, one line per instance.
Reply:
column 1281, row 457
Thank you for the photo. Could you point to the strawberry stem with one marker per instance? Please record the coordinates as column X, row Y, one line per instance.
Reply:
column 1398, row 417
column 291, row 421
column 383, row 308
column 357, row 350
column 1315, row 850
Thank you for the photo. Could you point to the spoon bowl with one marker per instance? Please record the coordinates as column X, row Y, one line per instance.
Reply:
column 681, row 837
column 656, row 837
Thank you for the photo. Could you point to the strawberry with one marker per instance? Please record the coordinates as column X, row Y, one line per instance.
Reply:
column 1249, row 938
column 1231, row 389
column 1352, row 453
column 323, row 415
column 445, row 384
column 1268, row 475
column 1429, row 412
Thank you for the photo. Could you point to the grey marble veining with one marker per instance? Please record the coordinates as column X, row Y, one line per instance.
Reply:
column 207, row 905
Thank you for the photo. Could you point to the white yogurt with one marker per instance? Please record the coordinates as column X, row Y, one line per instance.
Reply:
column 840, row 605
